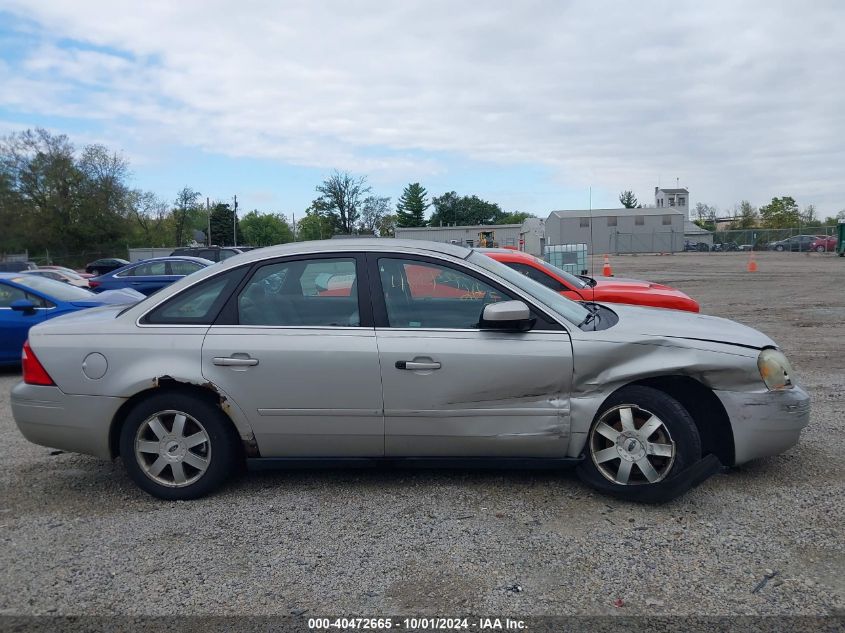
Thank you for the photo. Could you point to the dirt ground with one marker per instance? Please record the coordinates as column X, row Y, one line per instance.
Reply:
column 76, row 537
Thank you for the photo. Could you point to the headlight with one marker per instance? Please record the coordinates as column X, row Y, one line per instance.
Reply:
column 775, row 369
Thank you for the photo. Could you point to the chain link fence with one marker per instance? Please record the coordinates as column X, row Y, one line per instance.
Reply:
column 769, row 239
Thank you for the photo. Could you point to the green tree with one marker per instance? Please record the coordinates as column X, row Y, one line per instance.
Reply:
column 223, row 225
column 186, row 206
column 265, row 229
column 450, row 208
column 387, row 225
column 780, row 213
column 149, row 218
column 342, row 195
column 373, row 210
column 628, row 200
column 59, row 201
column 317, row 224
column 746, row 216
column 412, row 205
column 517, row 217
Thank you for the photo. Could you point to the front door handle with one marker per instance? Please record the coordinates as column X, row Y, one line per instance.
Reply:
column 228, row 361
column 414, row 365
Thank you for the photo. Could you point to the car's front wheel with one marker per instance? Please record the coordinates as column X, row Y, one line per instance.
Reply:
column 779, row 248
column 820, row 249
column 178, row 446
column 641, row 436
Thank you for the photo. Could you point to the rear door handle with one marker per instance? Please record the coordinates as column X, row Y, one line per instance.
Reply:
column 414, row 365
column 228, row 361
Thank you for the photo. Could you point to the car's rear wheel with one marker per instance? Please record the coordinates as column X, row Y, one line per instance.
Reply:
column 820, row 249
column 178, row 446
column 779, row 247
column 640, row 437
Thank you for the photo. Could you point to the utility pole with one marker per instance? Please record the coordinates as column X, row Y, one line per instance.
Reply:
column 208, row 213
column 235, row 223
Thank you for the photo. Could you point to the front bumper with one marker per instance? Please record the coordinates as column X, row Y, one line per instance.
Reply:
column 765, row 423
column 50, row 417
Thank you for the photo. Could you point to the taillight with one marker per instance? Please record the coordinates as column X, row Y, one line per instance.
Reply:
column 92, row 283
column 33, row 371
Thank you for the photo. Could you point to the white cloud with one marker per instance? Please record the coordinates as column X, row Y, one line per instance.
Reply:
column 737, row 99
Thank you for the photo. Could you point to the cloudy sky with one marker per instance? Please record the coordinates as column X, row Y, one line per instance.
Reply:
column 525, row 103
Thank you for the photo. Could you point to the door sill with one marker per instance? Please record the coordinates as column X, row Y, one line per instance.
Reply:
column 492, row 463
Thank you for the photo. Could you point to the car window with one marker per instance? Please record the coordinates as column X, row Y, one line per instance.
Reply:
column 570, row 310
column 150, row 269
column 227, row 253
column 206, row 254
column 426, row 295
column 537, row 275
column 199, row 304
column 301, row 293
column 183, row 267
column 10, row 294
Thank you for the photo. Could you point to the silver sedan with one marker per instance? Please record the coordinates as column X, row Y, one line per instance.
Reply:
column 402, row 351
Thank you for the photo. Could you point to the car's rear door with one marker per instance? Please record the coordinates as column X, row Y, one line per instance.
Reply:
column 302, row 364
column 452, row 389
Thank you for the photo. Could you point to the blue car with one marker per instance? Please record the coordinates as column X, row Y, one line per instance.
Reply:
column 149, row 275
column 26, row 300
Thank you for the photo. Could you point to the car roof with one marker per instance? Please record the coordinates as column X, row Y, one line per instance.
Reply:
column 507, row 251
column 176, row 258
column 374, row 244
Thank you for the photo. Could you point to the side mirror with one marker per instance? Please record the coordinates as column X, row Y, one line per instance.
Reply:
column 511, row 316
column 23, row 305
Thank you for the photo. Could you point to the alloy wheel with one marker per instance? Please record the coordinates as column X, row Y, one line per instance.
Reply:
column 172, row 448
column 630, row 445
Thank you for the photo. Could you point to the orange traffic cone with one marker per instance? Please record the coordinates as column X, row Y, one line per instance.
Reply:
column 752, row 265
column 606, row 270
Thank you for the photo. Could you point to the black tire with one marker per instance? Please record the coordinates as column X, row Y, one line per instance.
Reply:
column 677, row 423
column 820, row 249
column 221, row 448
column 779, row 248
column 95, row 272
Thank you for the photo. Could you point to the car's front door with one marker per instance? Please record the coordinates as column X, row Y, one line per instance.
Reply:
column 14, row 324
column 453, row 389
column 301, row 363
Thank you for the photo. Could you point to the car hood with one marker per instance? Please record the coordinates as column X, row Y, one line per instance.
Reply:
column 662, row 323
column 616, row 283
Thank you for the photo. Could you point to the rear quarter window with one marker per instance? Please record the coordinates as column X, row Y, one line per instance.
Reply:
column 198, row 305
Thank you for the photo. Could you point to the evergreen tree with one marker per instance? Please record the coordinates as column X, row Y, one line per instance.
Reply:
column 410, row 210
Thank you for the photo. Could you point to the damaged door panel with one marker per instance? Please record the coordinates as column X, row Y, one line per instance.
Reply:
column 493, row 393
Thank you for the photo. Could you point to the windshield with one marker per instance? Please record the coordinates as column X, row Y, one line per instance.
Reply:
column 570, row 310
column 54, row 289
column 577, row 282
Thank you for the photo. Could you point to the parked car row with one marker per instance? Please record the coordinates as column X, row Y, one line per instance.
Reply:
column 805, row 243
column 403, row 351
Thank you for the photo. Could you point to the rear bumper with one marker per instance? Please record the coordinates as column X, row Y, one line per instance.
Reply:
column 50, row 417
column 765, row 423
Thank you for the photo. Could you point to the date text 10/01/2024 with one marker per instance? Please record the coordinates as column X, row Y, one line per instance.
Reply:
column 416, row 624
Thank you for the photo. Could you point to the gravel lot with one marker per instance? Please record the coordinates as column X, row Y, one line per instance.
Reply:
column 77, row 537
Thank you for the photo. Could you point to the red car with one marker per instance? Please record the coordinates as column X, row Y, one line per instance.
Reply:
column 600, row 289
column 824, row 244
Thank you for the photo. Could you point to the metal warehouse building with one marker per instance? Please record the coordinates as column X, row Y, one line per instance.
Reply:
column 503, row 234
column 650, row 230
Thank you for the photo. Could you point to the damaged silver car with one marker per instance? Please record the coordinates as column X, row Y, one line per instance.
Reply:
column 402, row 352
